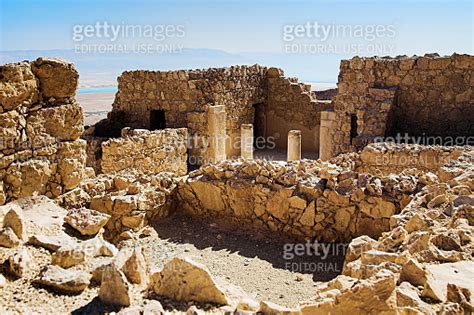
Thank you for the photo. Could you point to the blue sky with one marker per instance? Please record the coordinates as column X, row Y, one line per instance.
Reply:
column 253, row 28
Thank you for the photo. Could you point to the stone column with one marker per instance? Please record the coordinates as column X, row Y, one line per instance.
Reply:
column 246, row 141
column 294, row 145
column 325, row 135
column 216, row 117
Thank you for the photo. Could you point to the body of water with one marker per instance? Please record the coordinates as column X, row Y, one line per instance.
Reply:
column 112, row 89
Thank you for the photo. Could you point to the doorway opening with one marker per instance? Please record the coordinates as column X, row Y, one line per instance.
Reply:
column 157, row 119
column 354, row 126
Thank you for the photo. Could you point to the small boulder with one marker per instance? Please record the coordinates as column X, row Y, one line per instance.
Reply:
column 14, row 219
column 439, row 276
column 133, row 264
column 407, row 295
column 18, row 263
column 99, row 247
column 114, row 288
column 8, row 238
column 182, row 279
column 153, row 307
column 413, row 272
column 86, row 221
column 63, row 280
column 68, row 256
column 52, row 242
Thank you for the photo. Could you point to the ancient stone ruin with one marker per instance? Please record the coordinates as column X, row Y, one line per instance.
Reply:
column 188, row 196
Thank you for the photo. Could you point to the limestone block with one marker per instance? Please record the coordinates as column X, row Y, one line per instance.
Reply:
column 57, row 78
column 18, row 86
column 49, row 125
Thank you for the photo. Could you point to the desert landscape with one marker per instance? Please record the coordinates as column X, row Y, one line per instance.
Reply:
column 238, row 190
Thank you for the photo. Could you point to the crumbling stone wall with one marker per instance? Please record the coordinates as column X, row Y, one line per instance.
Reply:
column 41, row 123
column 352, row 195
column 185, row 96
column 130, row 197
column 419, row 96
column 145, row 151
column 305, row 199
column 390, row 158
column 292, row 105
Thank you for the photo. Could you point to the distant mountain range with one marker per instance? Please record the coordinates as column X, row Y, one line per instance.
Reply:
column 99, row 70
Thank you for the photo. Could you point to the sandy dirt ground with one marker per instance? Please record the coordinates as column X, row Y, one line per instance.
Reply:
column 254, row 261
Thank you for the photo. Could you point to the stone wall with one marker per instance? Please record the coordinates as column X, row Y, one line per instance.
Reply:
column 147, row 152
column 305, row 199
column 418, row 96
column 184, row 97
column 292, row 105
column 131, row 198
column 41, row 123
column 389, row 158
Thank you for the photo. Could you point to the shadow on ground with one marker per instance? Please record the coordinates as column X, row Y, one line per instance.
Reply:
column 281, row 251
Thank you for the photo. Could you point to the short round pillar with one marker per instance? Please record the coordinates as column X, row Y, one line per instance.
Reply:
column 294, row 145
column 246, row 141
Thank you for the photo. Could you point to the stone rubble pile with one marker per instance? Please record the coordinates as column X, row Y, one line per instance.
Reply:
column 123, row 277
column 128, row 199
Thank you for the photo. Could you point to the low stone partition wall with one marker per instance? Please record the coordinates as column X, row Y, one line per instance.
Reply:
column 305, row 199
column 145, row 151
column 387, row 158
column 41, row 124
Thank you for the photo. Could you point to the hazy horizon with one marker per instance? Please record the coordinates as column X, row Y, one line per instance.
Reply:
column 305, row 38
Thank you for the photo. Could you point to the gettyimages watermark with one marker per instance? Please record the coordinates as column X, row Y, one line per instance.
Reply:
column 427, row 140
column 321, row 256
column 104, row 37
column 313, row 37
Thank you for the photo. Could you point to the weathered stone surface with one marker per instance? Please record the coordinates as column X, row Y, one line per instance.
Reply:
column 18, row 85
column 374, row 295
column 15, row 220
column 8, row 238
column 408, row 296
column 269, row 308
column 367, row 93
column 146, row 151
column 132, row 262
column 39, row 119
column 52, row 243
column 18, row 263
column 86, row 221
column 68, row 256
column 459, row 274
column 3, row 281
column 57, row 78
column 49, row 125
column 292, row 198
column 63, row 280
column 185, row 280
column 27, row 178
column 114, row 288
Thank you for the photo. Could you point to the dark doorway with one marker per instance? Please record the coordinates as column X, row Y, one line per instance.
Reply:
column 259, row 125
column 157, row 119
column 354, row 126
